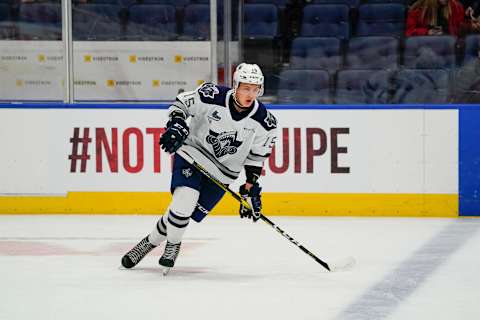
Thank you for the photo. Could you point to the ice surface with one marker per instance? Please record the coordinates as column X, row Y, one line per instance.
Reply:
column 68, row 267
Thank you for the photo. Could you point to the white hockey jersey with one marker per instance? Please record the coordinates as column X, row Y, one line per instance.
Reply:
column 219, row 143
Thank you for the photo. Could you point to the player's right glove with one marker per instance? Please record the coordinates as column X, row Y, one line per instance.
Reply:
column 176, row 133
column 253, row 197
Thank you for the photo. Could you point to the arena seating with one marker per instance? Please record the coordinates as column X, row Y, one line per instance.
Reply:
column 377, row 52
column 340, row 44
column 429, row 52
column 153, row 22
column 381, row 19
column 316, row 53
column 97, row 22
column 329, row 20
column 304, row 86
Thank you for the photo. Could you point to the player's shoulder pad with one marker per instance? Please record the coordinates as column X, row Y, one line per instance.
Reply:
column 264, row 117
column 212, row 94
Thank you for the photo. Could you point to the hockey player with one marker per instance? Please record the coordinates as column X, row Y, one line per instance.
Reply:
column 229, row 130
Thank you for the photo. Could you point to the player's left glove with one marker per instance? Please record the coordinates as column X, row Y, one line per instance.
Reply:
column 176, row 133
column 253, row 197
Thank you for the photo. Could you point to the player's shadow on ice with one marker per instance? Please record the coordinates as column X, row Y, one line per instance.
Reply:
column 195, row 273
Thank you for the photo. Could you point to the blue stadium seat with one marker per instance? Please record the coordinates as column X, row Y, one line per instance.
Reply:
column 421, row 86
column 381, row 19
column 316, row 53
column 219, row 3
column 281, row 4
column 112, row 2
column 196, row 22
column 350, row 3
column 328, row 20
column 97, row 22
column 404, row 2
column 153, row 22
column 372, row 53
column 4, row 12
column 7, row 26
column 260, row 21
column 304, row 87
column 472, row 45
column 170, row 2
column 40, row 21
column 363, row 86
column 281, row 8
column 429, row 52
column 190, row 34
column 260, row 32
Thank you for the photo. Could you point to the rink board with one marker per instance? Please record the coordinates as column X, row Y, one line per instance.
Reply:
column 329, row 160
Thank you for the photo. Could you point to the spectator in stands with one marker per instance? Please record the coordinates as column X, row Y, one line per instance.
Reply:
column 435, row 17
column 472, row 8
column 472, row 17
column 466, row 84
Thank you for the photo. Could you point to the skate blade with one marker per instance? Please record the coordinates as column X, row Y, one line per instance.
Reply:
column 165, row 271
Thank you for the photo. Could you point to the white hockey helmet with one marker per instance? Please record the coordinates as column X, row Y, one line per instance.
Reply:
column 248, row 73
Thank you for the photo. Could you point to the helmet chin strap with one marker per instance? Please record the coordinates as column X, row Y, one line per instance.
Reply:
column 238, row 104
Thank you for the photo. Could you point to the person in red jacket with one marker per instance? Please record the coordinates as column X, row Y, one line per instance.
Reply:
column 435, row 17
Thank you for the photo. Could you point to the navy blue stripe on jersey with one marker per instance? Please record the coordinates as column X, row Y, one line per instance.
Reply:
column 213, row 94
column 257, row 157
column 178, row 104
column 223, row 169
column 264, row 117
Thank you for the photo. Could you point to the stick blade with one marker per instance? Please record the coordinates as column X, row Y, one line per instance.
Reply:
column 345, row 264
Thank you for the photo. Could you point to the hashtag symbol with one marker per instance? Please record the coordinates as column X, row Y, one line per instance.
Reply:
column 76, row 140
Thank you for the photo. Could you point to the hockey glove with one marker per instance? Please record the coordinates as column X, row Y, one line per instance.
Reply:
column 176, row 133
column 253, row 197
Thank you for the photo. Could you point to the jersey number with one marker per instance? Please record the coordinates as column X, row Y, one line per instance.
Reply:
column 189, row 102
column 270, row 142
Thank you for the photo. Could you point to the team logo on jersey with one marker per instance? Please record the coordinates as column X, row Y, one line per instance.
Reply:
column 214, row 116
column 270, row 120
column 187, row 172
column 209, row 90
column 223, row 143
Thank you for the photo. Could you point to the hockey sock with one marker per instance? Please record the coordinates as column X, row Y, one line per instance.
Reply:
column 183, row 203
column 177, row 225
column 159, row 233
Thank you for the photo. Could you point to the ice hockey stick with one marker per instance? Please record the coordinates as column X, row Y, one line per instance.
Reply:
column 348, row 263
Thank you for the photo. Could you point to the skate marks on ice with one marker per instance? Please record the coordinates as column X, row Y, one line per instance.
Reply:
column 194, row 273
column 381, row 300
column 79, row 246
